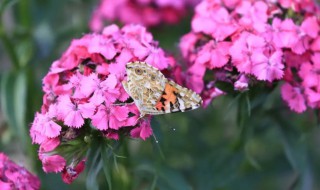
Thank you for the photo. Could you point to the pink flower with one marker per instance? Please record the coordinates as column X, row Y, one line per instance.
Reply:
column 84, row 96
column 210, row 93
column 294, row 97
column 214, row 54
column 242, row 83
column 44, row 127
column 253, row 15
column 268, row 68
column 285, row 33
column 13, row 176
column 209, row 16
column 109, row 116
column 195, row 77
column 244, row 49
column 232, row 41
column 143, row 131
column 147, row 12
column 69, row 174
column 72, row 113
column 310, row 27
column 54, row 163
column 310, row 73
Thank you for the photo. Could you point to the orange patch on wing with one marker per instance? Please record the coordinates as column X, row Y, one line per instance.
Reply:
column 167, row 97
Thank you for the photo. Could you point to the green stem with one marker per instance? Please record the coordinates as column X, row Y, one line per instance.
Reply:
column 25, row 16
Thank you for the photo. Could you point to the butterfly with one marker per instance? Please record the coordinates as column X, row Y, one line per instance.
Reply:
column 154, row 94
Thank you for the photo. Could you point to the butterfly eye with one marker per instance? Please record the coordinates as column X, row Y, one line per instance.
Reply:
column 138, row 71
column 153, row 77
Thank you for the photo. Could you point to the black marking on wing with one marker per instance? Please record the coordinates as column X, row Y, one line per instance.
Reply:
column 162, row 100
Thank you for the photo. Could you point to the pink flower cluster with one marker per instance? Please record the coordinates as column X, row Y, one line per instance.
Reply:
column 242, row 42
column 84, row 93
column 146, row 12
column 13, row 176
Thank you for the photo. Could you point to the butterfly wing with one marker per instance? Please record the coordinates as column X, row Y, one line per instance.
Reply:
column 154, row 94
column 145, row 84
column 176, row 98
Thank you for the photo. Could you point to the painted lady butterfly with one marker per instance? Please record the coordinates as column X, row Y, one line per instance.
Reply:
column 154, row 94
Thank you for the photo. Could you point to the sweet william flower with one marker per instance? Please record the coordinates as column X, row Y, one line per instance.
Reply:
column 85, row 101
column 13, row 176
column 70, row 173
column 147, row 13
column 268, row 41
column 144, row 131
column 294, row 97
column 268, row 68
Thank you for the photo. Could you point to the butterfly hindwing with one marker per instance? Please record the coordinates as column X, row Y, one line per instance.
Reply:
column 176, row 98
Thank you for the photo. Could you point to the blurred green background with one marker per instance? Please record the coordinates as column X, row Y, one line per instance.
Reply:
column 243, row 141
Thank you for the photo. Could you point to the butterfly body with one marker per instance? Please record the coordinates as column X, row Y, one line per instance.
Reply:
column 154, row 94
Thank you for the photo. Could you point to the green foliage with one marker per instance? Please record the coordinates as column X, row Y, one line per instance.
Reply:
column 246, row 140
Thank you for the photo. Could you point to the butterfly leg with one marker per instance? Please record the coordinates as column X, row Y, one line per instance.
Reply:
column 122, row 104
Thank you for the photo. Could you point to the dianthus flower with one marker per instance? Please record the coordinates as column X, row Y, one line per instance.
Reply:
column 244, row 42
column 145, row 12
column 13, row 176
column 84, row 97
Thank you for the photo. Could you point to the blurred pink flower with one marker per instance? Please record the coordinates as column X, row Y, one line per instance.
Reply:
column 13, row 176
column 242, row 83
column 234, row 41
column 145, row 12
column 294, row 97
column 214, row 54
column 144, row 131
column 88, row 96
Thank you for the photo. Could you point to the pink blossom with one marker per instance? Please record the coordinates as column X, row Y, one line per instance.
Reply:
column 54, row 163
column 210, row 93
column 70, row 173
column 310, row 72
column 49, row 145
column 214, row 54
column 253, row 14
column 109, row 116
column 156, row 57
column 13, row 176
column 243, row 50
column 299, row 6
column 242, row 83
column 195, row 77
column 315, row 45
column 143, row 131
column 310, row 26
column 262, row 40
column 285, row 33
column 209, row 16
column 187, row 44
column 44, row 125
column 293, row 96
column 268, row 68
column 84, row 96
column 145, row 12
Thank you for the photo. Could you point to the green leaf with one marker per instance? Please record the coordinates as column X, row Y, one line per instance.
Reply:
column 154, row 182
column 106, row 156
column 13, row 102
column 171, row 179
column 25, row 52
column 5, row 4
column 94, row 164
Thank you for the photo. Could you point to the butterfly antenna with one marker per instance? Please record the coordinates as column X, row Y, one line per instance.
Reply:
column 155, row 138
